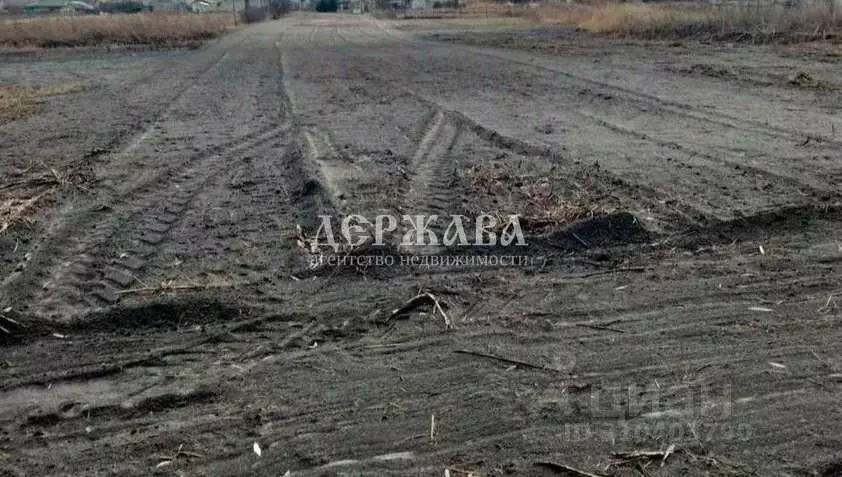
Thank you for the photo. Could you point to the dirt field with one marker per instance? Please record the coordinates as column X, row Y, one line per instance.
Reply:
column 159, row 318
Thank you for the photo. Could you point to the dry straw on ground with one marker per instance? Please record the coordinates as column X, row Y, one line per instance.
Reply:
column 13, row 210
column 22, row 191
column 159, row 29
column 533, row 199
column 17, row 101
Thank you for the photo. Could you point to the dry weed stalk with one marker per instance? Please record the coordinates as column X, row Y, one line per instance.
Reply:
column 660, row 456
column 422, row 298
column 489, row 179
column 212, row 281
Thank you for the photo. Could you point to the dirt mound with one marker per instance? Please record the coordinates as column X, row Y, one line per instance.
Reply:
column 162, row 314
column 706, row 69
column 803, row 79
column 774, row 222
column 157, row 314
column 12, row 328
column 617, row 228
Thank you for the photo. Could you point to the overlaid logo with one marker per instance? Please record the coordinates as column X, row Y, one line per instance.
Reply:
column 416, row 240
column 418, row 230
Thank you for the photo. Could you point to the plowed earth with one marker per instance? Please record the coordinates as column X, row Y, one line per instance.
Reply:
column 684, row 242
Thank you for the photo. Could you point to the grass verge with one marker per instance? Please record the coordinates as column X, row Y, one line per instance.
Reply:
column 156, row 29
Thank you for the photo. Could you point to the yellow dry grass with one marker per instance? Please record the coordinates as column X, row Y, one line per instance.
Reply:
column 618, row 17
column 17, row 101
column 160, row 29
column 753, row 22
column 629, row 18
column 654, row 21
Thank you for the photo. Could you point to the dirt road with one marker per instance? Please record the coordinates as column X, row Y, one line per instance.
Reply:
column 161, row 317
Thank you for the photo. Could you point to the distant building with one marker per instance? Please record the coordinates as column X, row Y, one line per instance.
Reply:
column 60, row 7
column 44, row 7
column 10, row 6
column 176, row 6
column 76, row 7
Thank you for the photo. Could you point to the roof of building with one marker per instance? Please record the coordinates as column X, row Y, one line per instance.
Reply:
column 46, row 4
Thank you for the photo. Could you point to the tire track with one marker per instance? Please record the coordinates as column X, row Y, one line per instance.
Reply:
column 80, row 217
column 632, row 96
column 236, row 220
column 793, row 175
column 138, row 138
column 680, row 214
column 125, row 205
column 92, row 277
column 429, row 188
column 88, row 228
column 710, row 161
column 287, row 105
column 694, row 213
column 321, row 152
column 314, row 180
column 128, row 140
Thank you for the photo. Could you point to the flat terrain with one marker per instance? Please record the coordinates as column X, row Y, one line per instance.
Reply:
column 158, row 316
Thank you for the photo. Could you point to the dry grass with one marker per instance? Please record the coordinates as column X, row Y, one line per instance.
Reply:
column 544, row 207
column 751, row 22
column 22, row 191
column 636, row 19
column 18, row 101
column 534, row 199
column 13, row 211
column 703, row 21
column 617, row 17
column 158, row 29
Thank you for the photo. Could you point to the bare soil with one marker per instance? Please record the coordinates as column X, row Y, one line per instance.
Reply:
column 159, row 318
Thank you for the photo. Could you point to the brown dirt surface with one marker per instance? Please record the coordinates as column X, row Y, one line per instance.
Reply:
column 679, row 314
